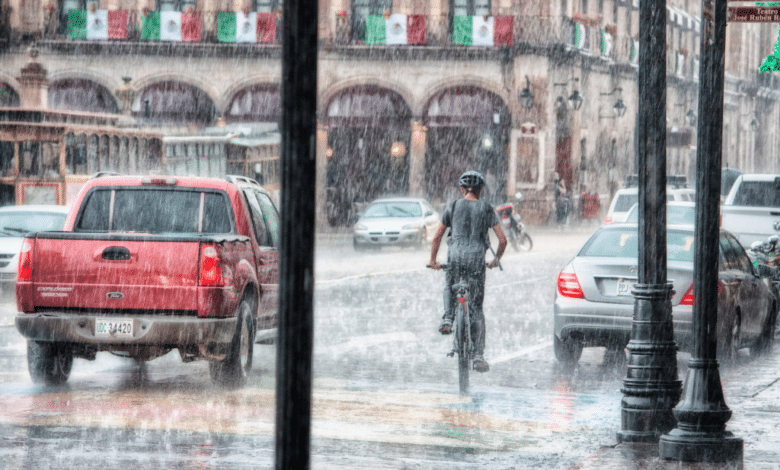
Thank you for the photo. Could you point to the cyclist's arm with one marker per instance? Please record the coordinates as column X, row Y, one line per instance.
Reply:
column 435, row 246
column 501, row 245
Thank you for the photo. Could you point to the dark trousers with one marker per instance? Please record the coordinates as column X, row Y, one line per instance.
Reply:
column 469, row 267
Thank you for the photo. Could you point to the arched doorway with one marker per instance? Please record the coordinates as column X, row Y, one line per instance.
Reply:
column 9, row 98
column 174, row 102
column 368, row 142
column 78, row 94
column 468, row 129
column 255, row 103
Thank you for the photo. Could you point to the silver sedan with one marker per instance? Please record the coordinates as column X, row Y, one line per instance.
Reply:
column 395, row 222
column 594, row 305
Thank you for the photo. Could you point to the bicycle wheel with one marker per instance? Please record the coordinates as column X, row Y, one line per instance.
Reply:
column 463, row 348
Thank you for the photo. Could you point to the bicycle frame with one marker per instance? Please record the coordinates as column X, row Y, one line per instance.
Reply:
column 461, row 341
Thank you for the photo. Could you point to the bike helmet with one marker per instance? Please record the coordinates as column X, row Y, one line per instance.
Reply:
column 471, row 179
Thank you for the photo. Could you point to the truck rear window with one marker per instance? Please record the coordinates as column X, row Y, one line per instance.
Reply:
column 757, row 194
column 146, row 210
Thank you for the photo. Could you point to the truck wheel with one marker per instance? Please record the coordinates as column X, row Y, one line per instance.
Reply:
column 49, row 363
column 234, row 369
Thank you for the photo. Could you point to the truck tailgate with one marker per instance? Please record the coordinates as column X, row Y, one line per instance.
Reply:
column 750, row 224
column 123, row 273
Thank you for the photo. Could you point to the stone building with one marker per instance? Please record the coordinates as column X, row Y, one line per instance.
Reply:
column 411, row 93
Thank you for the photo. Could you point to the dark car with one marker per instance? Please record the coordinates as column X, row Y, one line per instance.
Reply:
column 594, row 305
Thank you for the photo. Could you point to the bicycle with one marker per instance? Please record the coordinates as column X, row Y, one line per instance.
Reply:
column 461, row 335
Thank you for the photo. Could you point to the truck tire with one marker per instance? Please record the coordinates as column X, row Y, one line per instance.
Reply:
column 49, row 363
column 233, row 371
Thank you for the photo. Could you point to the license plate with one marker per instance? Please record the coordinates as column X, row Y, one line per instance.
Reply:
column 105, row 328
column 624, row 288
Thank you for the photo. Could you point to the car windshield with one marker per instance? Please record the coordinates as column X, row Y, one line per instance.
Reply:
column 623, row 243
column 758, row 194
column 393, row 209
column 20, row 223
column 624, row 202
column 675, row 215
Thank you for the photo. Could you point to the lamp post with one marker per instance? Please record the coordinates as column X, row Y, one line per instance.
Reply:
column 575, row 100
column 651, row 388
column 526, row 97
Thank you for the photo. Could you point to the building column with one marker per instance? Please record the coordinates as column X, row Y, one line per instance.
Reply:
column 34, row 91
column 321, row 216
column 417, row 159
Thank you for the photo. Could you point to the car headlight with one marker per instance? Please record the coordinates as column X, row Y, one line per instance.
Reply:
column 411, row 227
column 360, row 227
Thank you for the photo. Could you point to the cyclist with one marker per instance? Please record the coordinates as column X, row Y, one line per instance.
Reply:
column 469, row 221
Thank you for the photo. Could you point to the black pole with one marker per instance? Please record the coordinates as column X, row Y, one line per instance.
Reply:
column 702, row 414
column 296, row 278
column 651, row 388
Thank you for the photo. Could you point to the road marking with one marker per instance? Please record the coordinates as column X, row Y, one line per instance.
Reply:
column 522, row 352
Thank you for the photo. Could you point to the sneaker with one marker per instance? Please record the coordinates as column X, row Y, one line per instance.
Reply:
column 479, row 364
column 446, row 326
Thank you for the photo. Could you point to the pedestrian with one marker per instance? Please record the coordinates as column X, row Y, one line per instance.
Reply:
column 469, row 221
column 562, row 204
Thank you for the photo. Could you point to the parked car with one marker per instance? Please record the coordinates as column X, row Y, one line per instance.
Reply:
column 677, row 213
column 594, row 305
column 15, row 223
column 626, row 198
column 399, row 221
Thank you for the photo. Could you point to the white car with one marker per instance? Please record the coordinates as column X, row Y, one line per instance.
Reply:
column 15, row 223
column 400, row 221
column 626, row 198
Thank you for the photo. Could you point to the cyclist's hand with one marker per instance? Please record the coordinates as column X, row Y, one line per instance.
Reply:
column 493, row 264
column 434, row 265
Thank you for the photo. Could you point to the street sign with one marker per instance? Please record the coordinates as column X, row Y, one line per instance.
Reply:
column 754, row 14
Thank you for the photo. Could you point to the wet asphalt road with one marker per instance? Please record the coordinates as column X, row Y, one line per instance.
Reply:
column 385, row 394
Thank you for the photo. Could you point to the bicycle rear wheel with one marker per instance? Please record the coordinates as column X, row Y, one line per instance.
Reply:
column 463, row 348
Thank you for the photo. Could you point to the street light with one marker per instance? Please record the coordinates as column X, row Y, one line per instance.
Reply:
column 619, row 108
column 526, row 97
column 575, row 100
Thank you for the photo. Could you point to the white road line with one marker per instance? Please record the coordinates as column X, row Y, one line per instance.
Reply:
column 522, row 352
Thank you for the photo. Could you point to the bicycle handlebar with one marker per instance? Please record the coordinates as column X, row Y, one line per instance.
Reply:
column 444, row 266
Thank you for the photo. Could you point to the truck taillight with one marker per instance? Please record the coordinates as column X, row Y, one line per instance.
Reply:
column 24, row 272
column 210, row 268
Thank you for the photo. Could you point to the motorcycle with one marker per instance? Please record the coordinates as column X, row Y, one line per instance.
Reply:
column 766, row 260
column 514, row 229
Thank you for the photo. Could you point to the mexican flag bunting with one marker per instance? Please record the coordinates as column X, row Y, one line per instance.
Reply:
column 171, row 26
column 633, row 54
column 483, row 30
column 395, row 29
column 606, row 44
column 97, row 25
column 251, row 28
column 580, row 35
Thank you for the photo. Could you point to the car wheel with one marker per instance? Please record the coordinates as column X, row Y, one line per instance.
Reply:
column 567, row 352
column 234, row 369
column 766, row 340
column 729, row 351
column 49, row 363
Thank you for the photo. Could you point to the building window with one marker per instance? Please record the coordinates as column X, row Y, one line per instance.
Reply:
column 360, row 11
column 266, row 6
column 470, row 7
column 176, row 5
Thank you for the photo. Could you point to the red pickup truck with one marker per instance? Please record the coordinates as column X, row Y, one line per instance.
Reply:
column 147, row 264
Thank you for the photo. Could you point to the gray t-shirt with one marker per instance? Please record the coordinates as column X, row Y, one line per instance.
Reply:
column 469, row 223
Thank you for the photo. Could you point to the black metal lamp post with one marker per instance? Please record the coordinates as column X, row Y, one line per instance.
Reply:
column 651, row 387
column 526, row 97
column 702, row 414
column 575, row 100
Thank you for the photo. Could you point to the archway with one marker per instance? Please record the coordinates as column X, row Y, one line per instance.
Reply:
column 9, row 98
column 468, row 129
column 368, row 142
column 79, row 94
column 255, row 103
column 174, row 102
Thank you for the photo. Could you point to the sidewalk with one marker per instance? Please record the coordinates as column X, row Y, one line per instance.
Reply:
column 752, row 392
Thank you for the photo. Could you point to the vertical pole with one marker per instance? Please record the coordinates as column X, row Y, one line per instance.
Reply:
column 296, row 278
column 702, row 414
column 651, row 388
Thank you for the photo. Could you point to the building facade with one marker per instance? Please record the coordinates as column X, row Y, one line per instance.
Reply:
column 411, row 93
